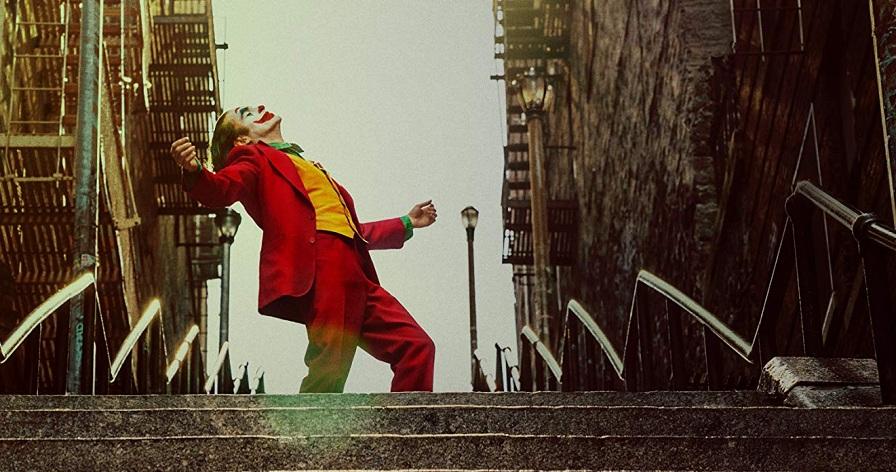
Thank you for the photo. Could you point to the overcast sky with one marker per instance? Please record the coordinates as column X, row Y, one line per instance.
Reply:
column 394, row 98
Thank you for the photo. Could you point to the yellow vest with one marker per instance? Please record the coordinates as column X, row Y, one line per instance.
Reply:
column 332, row 213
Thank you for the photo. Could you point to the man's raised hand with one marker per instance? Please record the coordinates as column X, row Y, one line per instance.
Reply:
column 184, row 154
column 423, row 214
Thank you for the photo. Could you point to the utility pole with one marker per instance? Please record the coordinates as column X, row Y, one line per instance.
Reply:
column 86, row 186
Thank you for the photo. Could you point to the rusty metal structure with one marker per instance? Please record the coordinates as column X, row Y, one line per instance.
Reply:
column 158, row 65
column 531, row 34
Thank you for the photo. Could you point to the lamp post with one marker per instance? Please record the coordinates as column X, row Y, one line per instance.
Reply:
column 228, row 222
column 469, row 217
column 536, row 95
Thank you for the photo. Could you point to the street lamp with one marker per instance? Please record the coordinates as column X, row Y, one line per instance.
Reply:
column 533, row 91
column 469, row 217
column 228, row 222
column 535, row 95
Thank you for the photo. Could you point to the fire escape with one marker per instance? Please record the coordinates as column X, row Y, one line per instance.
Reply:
column 36, row 185
column 141, row 101
column 531, row 34
column 185, row 102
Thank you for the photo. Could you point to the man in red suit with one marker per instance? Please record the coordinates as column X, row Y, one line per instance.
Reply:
column 315, row 267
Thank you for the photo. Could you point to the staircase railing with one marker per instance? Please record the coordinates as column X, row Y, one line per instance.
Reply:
column 151, row 364
column 507, row 374
column 185, row 374
column 876, row 244
column 259, row 381
column 483, row 381
column 635, row 361
column 241, row 381
column 34, row 320
column 539, row 367
column 42, row 312
column 873, row 238
column 223, row 357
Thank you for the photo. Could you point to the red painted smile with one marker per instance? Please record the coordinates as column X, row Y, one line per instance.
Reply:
column 267, row 116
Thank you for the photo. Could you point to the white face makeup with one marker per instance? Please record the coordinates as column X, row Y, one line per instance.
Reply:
column 262, row 124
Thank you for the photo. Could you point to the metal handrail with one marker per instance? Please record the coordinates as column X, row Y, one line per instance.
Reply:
column 42, row 312
column 241, row 381
column 154, row 309
column 507, row 375
column 737, row 343
column 515, row 377
column 846, row 216
column 701, row 314
column 181, row 353
column 482, row 374
column 543, row 351
column 575, row 308
column 258, row 379
column 864, row 226
column 219, row 363
column 747, row 351
column 832, row 207
column 876, row 242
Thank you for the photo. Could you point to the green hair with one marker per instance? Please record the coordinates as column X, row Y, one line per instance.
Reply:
column 226, row 132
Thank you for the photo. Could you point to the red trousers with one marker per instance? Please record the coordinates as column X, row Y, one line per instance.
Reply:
column 350, row 311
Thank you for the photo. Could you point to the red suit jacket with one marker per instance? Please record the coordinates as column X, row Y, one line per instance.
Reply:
column 266, row 182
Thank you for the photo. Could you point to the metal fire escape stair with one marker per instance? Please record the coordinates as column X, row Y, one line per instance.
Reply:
column 36, row 173
column 36, row 204
column 528, row 33
column 44, row 47
column 562, row 213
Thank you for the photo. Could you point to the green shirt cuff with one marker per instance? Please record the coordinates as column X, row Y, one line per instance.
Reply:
column 408, row 227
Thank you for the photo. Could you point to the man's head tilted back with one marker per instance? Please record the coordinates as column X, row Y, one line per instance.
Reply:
column 242, row 125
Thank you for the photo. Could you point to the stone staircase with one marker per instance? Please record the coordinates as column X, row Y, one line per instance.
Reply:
column 459, row 431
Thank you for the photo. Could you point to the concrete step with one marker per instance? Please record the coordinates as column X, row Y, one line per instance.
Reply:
column 504, row 451
column 622, row 421
column 459, row 431
column 603, row 398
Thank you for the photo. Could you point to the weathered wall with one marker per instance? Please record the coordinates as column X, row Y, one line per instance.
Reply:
column 686, row 152
column 811, row 115
column 639, row 73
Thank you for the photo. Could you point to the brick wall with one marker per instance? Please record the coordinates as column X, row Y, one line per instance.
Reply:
column 639, row 75
column 685, row 152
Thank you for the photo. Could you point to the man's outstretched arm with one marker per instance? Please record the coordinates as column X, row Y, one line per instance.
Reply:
column 221, row 189
column 392, row 233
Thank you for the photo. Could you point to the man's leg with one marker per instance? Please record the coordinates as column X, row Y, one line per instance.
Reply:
column 390, row 334
column 338, row 308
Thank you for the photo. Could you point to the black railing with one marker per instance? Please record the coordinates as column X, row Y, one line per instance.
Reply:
column 151, row 363
column 185, row 372
column 876, row 244
column 507, row 374
column 241, row 381
column 483, row 382
column 635, row 367
column 539, row 370
column 222, row 359
column 22, row 334
column 259, row 381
